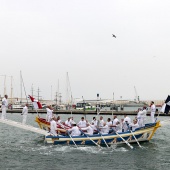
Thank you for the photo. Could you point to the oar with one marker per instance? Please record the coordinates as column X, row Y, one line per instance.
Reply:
column 135, row 139
column 90, row 138
column 103, row 138
column 69, row 135
column 124, row 140
column 134, row 136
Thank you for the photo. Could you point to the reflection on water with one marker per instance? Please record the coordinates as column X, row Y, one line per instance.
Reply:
column 26, row 150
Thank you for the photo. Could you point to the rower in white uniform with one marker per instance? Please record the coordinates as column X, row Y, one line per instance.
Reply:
column 74, row 130
column 82, row 123
column 104, row 129
column 134, row 125
column 94, row 121
column 89, row 129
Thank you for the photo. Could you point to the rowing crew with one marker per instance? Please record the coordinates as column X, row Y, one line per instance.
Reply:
column 95, row 127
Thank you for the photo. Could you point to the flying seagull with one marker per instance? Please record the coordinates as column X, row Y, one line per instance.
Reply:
column 114, row 35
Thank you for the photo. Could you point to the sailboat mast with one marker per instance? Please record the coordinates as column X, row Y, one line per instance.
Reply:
column 21, row 86
column 11, row 90
column 4, row 85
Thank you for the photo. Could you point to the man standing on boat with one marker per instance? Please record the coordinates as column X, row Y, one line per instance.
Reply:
column 49, row 113
column 24, row 113
column 153, row 109
column 4, row 106
column 53, row 126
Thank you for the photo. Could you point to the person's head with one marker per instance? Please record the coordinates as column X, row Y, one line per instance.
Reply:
column 114, row 117
column 82, row 118
column 144, row 107
column 117, row 122
column 135, row 121
column 125, row 115
column 94, row 118
column 152, row 102
column 6, row 96
column 73, row 124
column 68, row 118
column 101, row 117
column 26, row 104
column 108, row 119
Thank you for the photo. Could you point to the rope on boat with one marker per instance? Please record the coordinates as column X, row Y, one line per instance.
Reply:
column 23, row 126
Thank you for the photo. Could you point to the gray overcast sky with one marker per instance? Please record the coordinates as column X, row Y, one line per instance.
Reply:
column 45, row 39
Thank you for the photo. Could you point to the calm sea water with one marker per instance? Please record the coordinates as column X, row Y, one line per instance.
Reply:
column 20, row 149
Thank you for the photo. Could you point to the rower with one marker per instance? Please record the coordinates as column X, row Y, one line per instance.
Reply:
column 134, row 125
column 53, row 126
column 101, row 122
column 58, row 120
column 104, row 129
column 118, row 127
column 68, row 122
column 74, row 130
column 109, row 124
column 94, row 121
column 94, row 127
column 82, row 123
column 127, row 119
column 115, row 120
column 89, row 129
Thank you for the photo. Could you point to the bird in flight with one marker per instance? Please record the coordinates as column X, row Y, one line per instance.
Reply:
column 114, row 35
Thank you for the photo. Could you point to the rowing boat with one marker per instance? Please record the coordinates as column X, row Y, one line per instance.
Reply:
column 141, row 134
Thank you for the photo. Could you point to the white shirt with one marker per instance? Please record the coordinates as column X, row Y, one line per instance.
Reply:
column 68, row 123
column 53, row 127
column 144, row 112
column 118, row 128
column 95, row 122
column 153, row 108
column 25, row 110
column 5, row 102
column 109, row 124
column 139, row 115
column 101, row 122
column 49, row 114
column 127, row 119
column 93, row 127
column 105, row 129
column 134, row 126
column 82, row 124
column 115, row 121
column 89, row 130
column 74, row 131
